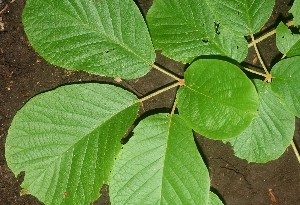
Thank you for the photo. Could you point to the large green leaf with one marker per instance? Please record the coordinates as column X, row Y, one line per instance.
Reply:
column 214, row 199
column 66, row 141
column 270, row 133
column 185, row 29
column 104, row 37
column 160, row 165
column 287, row 42
column 295, row 10
column 286, row 83
column 218, row 100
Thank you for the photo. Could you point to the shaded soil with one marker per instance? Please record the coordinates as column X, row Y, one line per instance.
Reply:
column 23, row 74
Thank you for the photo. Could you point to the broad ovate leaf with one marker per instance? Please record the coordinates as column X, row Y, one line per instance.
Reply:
column 295, row 10
column 270, row 133
column 286, row 83
column 104, row 37
column 186, row 29
column 160, row 165
column 218, row 100
column 287, row 42
column 66, row 141
column 214, row 199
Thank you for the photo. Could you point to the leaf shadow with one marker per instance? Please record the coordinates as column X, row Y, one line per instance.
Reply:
column 217, row 57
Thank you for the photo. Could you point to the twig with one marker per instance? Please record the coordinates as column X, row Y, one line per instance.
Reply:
column 295, row 150
column 2, row 10
column 166, row 72
column 267, row 35
column 6, row 6
column 258, row 55
column 253, row 71
column 160, row 91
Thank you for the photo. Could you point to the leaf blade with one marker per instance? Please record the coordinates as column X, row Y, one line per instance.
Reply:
column 286, row 84
column 270, row 133
column 244, row 17
column 287, row 42
column 218, row 101
column 62, row 141
column 101, row 37
column 193, row 34
column 295, row 10
column 214, row 199
column 186, row 29
column 153, row 165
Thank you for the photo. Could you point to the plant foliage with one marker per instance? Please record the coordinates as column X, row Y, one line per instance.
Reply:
column 287, row 42
column 102, row 37
column 202, row 100
column 266, row 139
column 153, row 164
column 68, row 140
column 186, row 29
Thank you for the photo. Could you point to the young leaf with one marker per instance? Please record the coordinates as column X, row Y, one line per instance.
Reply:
column 186, row 29
column 218, row 101
column 287, row 42
column 286, row 75
column 66, row 141
column 160, row 165
column 270, row 133
column 295, row 10
column 99, row 36
column 214, row 199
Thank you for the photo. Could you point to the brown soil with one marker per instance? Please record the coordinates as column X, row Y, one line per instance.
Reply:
column 23, row 74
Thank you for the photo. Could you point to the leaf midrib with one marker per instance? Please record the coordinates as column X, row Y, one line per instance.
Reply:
column 97, row 127
column 84, row 137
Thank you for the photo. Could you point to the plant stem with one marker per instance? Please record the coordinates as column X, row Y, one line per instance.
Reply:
column 160, row 91
column 295, row 150
column 262, row 38
column 258, row 55
column 174, row 107
column 166, row 72
column 253, row 71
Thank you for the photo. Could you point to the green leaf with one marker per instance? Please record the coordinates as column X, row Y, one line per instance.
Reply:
column 214, row 199
column 286, row 75
column 218, row 101
column 244, row 16
column 186, row 29
column 270, row 133
column 160, row 165
column 287, row 42
column 98, row 36
column 66, row 141
column 295, row 10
